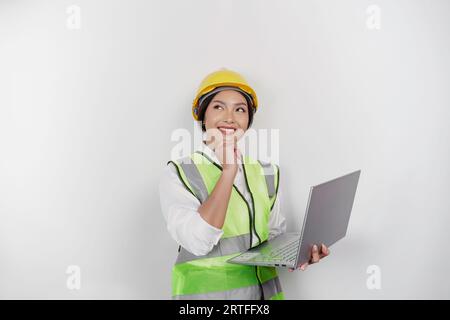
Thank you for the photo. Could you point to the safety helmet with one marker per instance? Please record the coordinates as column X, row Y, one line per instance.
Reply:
column 220, row 80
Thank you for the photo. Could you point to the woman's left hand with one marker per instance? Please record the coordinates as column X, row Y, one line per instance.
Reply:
column 316, row 255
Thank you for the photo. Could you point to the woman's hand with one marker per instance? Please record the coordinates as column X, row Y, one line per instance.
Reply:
column 227, row 153
column 316, row 255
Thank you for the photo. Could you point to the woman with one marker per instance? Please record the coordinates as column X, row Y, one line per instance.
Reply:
column 218, row 203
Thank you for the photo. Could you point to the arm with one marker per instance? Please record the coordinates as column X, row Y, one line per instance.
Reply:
column 214, row 209
column 183, row 221
column 193, row 225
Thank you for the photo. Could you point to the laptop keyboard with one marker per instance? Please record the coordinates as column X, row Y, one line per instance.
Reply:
column 285, row 253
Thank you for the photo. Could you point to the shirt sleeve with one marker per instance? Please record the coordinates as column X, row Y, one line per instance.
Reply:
column 277, row 222
column 183, row 221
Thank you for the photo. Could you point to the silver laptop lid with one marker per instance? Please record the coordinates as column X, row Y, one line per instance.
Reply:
column 327, row 213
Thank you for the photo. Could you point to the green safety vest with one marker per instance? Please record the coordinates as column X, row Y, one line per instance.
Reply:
column 211, row 276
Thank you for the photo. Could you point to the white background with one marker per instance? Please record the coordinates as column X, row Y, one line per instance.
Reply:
column 86, row 117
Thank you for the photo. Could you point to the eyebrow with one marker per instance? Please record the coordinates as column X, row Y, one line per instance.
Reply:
column 236, row 104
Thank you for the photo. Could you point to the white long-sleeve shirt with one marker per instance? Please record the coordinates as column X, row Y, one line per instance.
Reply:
column 184, row 222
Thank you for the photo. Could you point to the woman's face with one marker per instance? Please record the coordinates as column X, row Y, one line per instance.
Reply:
column 227, row 112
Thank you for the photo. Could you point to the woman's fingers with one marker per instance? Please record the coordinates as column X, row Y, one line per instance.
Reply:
column 302, row 267
column 324, row 251
column 315, row 254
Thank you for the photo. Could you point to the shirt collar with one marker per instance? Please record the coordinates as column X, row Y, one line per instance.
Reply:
column 209, row 152
column 212, row 155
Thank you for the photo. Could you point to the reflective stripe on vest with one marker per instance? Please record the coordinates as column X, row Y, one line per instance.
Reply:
column 224, row 247
column 211, row 276
column 270, row 174
column 272, row 288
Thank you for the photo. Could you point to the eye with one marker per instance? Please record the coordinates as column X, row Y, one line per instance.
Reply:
column 217, row 106
column 240, row 108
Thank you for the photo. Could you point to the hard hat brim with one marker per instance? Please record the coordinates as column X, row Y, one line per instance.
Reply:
column 247, row 92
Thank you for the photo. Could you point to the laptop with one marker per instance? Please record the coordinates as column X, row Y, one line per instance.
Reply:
column 326, row 221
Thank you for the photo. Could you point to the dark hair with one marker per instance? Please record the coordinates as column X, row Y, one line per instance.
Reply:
column 205, row 103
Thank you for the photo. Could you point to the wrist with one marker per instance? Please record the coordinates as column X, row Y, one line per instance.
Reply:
column 229, row 172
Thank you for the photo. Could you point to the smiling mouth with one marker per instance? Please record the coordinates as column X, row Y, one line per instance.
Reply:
column 226, row 131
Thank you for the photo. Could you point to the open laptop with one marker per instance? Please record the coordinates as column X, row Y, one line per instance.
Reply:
column 326, row 221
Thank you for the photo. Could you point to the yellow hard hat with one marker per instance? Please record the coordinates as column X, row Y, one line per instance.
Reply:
column 222, row 78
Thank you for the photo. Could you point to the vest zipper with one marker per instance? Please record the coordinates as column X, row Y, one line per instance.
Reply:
column 254, row 228
column 253, row 204
column 259, row 283
column 249, row 215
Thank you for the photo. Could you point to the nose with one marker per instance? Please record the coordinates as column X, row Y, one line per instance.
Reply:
column 229, row 116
